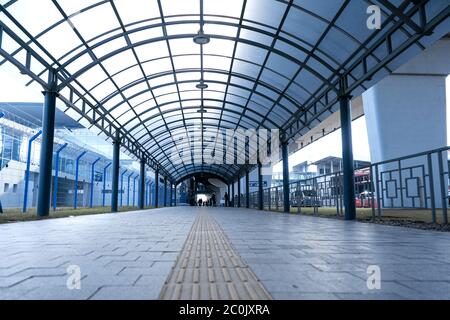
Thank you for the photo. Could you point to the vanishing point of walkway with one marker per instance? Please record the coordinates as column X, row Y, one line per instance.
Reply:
column 219, row 253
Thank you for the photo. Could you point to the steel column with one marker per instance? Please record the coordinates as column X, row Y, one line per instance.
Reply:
column 347, row 155
column 48, row 135
column 134, row 190
column 27, row 171
column 165, row 192
column 75, row 189
column 104, row 183
column 141, row 189
column 115, row 174
column 55, row 179
column 91, row 197
column 128, row 189
column 232, row 191
column 156, row 188
column 285, row 155
column 247, row 190
column 260, row 188
column 239, row 192
column 121, row 187
column 171, row 195
column 175, row 195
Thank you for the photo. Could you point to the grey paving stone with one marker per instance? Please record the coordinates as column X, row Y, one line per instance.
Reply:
column 323, row 257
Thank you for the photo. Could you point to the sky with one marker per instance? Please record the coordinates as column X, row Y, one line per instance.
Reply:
column 14, row 90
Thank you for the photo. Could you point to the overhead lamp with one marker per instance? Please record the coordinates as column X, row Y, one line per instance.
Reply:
column 201, row 85
column 201, row 110
column 201, row 38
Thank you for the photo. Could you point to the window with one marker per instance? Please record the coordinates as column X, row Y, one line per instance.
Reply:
column 6, row 188
column 15, row 188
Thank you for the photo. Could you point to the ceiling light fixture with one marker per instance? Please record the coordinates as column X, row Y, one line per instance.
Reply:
column 201, row 38
column 201, row 85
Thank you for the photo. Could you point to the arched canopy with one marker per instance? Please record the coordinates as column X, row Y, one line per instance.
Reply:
column 133, row 67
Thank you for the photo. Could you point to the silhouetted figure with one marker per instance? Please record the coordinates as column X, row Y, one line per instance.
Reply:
column 200, row 202
column 213, row 200
column 227, row 199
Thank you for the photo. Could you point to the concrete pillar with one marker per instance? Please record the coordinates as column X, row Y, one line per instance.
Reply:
column 406, row 114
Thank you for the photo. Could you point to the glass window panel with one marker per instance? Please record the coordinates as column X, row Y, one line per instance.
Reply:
column 29, row 14
column 324, row 9
column 236, row 99
column 60, row 40
column 265, row 11
column 171, row 106
column 161, row 80
column 230, row 8
column 143, row 35
column 109, row 47
column 180, row 7
column 304, row 26
column 167, row 98
column 182, row 28
column 246, row 68
column 216, row 62
column 256, row 37
column 239, row 92
column 250, row 53
column 282, row 65
column 71, row 7
column 104, row 17
column 354, row 15
column 190, row 95
column 339, row 44
column 184, row 76
column 119, row 62
column 141, row 101
column 79, row 63
column 273, row 79
column 213, row 95
column 187, row 62
column 139, row 10
column 127, row 76
column 112, row 102
column 294, row 52
column 157, row 66
column 92, row 77
column 183, row 46
column 165, row 90
column 219, row 47
column 152, row 50
column 308, row 80
column 267, row 92
column 135, row 89
column 224, row 30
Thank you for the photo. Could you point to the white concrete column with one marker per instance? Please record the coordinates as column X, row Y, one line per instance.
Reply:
column 406, row 114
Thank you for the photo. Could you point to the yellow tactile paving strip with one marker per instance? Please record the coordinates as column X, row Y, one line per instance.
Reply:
column 210, row 269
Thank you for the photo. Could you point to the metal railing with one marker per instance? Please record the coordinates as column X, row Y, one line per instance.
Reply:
column 417, row 182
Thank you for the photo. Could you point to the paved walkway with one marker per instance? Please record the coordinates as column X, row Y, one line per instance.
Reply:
column 131, row 256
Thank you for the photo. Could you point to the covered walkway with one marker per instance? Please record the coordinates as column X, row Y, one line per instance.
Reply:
column 132, row 255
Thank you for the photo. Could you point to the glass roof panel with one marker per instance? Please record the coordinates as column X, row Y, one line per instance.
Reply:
column 104, row 17
column 180, row 7
column 260, row 72
column 140, row 10
column 25, row 11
